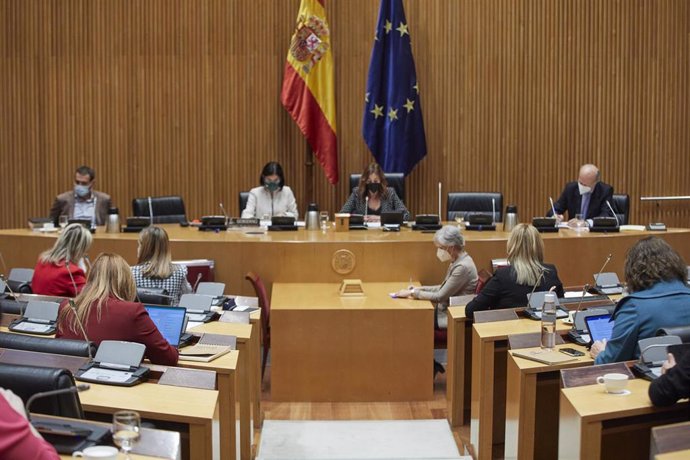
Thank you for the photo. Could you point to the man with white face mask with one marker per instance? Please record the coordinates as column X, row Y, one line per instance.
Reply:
column 586, row 196
column 82, row 202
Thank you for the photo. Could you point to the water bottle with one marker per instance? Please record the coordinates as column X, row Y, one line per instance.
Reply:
column 548, row 322
column 112, row 225
column 312, row 217
column 511, row 219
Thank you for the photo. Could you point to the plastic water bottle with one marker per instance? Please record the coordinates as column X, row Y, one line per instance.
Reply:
column 548, row 322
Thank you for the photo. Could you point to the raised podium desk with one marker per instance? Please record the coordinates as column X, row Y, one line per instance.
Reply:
column 330, row 348
column 328, row 257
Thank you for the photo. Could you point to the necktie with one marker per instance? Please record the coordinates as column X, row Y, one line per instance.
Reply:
column 584, row 206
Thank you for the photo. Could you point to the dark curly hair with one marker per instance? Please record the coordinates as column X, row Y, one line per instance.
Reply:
column 651, row 260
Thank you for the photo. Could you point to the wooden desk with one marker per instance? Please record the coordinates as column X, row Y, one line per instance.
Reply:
column 192, row 407
column 307, row 256
column 249, row 390
column 331, row 348
column 594, row 424
column 533, row 390
column 458, row 370
column 679, row 455
column 489, row 364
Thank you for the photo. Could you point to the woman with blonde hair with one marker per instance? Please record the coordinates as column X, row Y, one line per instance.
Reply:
column 60, row 271
column 155, row 268
column 509, row 286
column 106, row 309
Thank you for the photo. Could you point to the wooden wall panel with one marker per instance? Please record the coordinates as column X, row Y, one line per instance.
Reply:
column 182, row 97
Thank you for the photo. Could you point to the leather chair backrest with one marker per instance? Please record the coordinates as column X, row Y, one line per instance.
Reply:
column 395, row 180
column 154, row 296
column 46, row 344
column 243, row 198
column 198, row 270
column 621, row 204
column 166, row 209
column 464, row 204
column 14, row 307
column 26, row 381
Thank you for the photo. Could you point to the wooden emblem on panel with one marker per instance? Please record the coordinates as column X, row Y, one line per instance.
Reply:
column 343, row 261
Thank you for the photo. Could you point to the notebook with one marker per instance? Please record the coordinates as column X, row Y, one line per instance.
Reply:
column 600, row 327
column 170, row 321
column 543, row 356
column 209, row 347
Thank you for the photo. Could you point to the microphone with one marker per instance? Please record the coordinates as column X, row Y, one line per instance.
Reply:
column 493, row 211
column 14, row 296
column 81, row 326
column 88, row 261
column 150, row 210
column 4, row 267
column 439, row 202
column 596, row 278
column 613, row 212
column 44, row 394
column 553, row 208
column 196, row 283
column 222, row 208
column 74, row 284
column 585, row 288
column 539, row 279
column 366, row 208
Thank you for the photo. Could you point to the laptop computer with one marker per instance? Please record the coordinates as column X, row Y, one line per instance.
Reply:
column 170, row 321
column 600, row 327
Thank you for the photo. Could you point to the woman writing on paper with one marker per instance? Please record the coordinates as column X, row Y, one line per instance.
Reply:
column 155, row 268
column 272, row 197
column 107, row 311
column 60, row 271
column 373, row 196
column 510, row 286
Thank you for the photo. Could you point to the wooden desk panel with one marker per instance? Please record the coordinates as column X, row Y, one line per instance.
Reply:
column 459, row 368
column 306, row 255
column 329, row 348
column 594, row 424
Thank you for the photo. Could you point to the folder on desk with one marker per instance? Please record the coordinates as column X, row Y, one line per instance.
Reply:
column 209, row 347
column 541, row 355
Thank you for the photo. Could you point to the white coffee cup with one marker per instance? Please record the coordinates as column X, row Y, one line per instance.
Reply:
column 613, row 383
column 97, row 453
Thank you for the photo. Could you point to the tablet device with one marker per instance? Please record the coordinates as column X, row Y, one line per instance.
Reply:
column 600, row 327
column 170, row 321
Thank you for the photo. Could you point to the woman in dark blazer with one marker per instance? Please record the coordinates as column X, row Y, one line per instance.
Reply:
column 674, row 384
column 381, row 197
column 107, row 310
column 510, row 286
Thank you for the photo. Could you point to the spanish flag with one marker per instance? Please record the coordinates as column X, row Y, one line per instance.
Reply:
column 308, row 91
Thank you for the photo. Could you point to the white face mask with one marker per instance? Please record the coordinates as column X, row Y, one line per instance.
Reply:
column 442, row 255
column 583, row 188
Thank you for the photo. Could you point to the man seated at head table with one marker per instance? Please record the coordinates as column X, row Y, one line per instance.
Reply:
column 586, row 196
column 82, row 202
column 510, row 285
column 658, row 297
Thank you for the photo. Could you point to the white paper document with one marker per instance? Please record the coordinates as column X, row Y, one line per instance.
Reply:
column 193, row 324
column 576, row 294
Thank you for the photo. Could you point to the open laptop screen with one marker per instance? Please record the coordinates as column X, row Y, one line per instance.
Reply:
column 600, row 327
column 169, row 321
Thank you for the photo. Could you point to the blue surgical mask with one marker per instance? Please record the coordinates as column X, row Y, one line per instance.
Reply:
column 271, row 186
column 82, row 191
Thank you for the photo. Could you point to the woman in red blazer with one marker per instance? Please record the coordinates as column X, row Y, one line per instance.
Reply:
column 107, row 310
column 58, row 271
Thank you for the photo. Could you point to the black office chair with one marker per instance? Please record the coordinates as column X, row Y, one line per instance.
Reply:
column 46, row 345
column 621, row 204
column 12, row 307
column 154, row 296
column 25, row 381
column 395, row 180
column 681, row 331
column 243, row 198
column 464, row 204
column 166, row 209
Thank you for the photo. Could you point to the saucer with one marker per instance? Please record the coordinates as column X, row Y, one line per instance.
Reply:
column 622, row 393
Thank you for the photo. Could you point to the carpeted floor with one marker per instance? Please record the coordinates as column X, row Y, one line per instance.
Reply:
column 357, row 439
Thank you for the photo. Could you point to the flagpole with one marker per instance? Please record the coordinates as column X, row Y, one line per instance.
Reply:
column 308, row 176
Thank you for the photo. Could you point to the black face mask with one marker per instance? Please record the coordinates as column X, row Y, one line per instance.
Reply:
column 373, row 187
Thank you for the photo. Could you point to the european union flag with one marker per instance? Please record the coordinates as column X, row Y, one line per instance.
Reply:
column 393, row 127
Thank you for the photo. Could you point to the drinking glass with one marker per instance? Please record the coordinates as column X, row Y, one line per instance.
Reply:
column 323, row 219
column 580, row 224
column 126, row 426
column 62, row 220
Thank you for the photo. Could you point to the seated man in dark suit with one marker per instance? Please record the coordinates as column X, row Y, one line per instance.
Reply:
column 82, row 202
column 586, row 196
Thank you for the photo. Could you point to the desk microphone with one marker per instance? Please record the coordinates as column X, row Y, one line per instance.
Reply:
column 222, row 208
column 613, row 212
column 439, row 202
column 366, row 208
column 596, row 278
column 73, row 306
column 585, row 288
column 14, row 296
column 539, row 279
column 553, row 208
column 44, row 394
column 150, row 211
column 196, row 283
column 493, row 211
column 88, row 261
column 74, row 284
column 4, row 267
